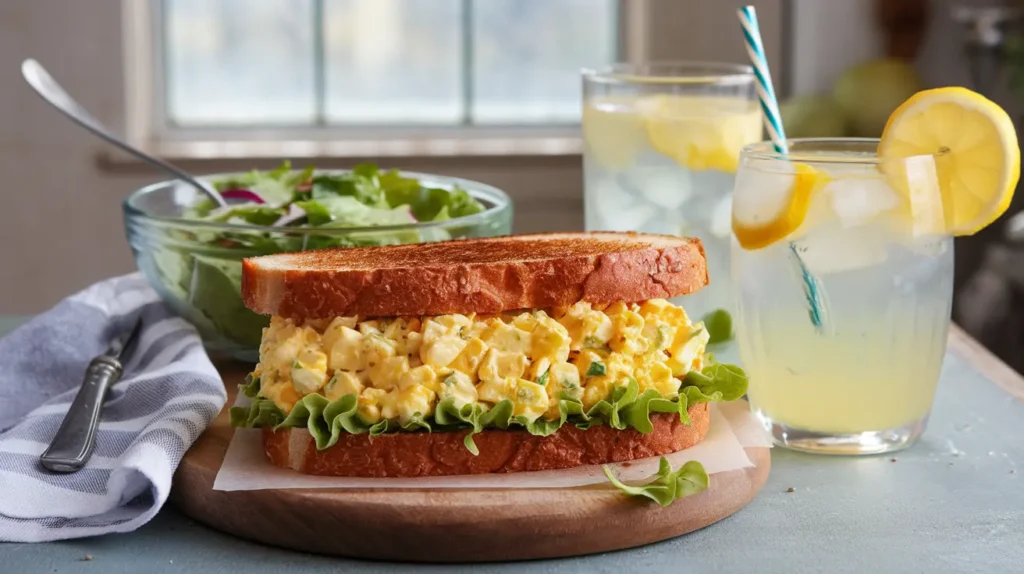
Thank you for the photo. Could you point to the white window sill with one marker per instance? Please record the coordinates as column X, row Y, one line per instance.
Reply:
column 214, row 150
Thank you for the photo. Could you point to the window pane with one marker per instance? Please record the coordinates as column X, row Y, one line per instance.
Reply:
column 528, row 54
column 393, row 61
column 239, row 62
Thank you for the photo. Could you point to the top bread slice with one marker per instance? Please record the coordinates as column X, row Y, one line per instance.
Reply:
column 488, row 275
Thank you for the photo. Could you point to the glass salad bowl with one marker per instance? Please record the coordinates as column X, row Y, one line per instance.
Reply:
column 192, row 254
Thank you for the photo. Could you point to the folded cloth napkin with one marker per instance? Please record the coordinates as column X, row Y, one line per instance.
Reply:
column 169, row 393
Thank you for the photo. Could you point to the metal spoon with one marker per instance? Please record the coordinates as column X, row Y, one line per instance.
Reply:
column 54, row 94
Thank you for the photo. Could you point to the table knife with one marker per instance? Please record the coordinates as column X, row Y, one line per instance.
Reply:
column 73, row 444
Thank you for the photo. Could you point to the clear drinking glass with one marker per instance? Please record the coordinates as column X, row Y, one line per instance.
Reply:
column 873, row 246
column 662, row 143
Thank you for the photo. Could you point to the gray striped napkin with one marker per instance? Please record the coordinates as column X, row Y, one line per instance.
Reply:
column 169, row 394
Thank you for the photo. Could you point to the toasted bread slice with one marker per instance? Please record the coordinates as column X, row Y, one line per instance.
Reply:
column 443, row 453
column 474, row 275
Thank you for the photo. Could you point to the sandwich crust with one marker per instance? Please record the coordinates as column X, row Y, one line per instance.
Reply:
column 474, row 275
column 443, row 453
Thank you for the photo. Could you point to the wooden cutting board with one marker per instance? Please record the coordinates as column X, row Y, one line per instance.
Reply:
column 445, row 525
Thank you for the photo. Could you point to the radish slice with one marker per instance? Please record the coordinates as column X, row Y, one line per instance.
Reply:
column 244, row 194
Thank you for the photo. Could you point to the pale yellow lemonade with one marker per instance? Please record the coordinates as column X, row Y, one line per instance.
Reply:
column 885, row 297
column 842, row 264
column 665, row 163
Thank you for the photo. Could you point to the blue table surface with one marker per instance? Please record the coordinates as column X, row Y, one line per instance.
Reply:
column 952, row 503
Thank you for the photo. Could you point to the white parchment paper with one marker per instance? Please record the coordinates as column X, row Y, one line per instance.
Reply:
column 746, row 426
column 245, row 465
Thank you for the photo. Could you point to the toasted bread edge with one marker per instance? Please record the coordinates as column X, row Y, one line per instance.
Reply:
column 649, row 272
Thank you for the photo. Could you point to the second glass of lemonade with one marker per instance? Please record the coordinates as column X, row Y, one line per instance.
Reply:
column 662, row 143
column 874, row 250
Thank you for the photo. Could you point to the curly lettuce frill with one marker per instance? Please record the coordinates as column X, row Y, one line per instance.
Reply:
column 327, row 419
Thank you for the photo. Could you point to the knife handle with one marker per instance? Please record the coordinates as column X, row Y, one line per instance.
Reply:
column 72, row 446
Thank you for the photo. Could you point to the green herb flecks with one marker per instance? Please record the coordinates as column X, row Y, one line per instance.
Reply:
column 543, row 379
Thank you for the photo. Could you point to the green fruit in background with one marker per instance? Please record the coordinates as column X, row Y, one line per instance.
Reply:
column 870, row 91
column 812, row 117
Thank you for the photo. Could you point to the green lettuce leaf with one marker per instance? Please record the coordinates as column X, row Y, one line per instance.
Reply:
column 728, row 382
column 361, row 184
column 251, row 386
column 624, row 408
column 667, row 486
column 461, row 203
column 275, row 186
column 316, row 212
column 215, row 294
column 247, row 214
column 427, row 203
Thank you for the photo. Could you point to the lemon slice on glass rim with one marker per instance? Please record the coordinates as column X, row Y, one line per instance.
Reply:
column 978, row 160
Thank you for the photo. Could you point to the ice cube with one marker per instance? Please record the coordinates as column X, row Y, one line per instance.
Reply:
column 857, row 200
column 619, row 210
column 660, row 181
column 761, row 193
column 918, row 273
column 721, row 217
column 831, row 249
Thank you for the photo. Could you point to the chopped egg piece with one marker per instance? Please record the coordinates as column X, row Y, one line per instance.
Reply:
column 459, row 387
column 309, row 371
column 343, row 383
column 530, row 401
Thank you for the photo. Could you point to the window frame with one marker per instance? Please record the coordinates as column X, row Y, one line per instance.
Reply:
column 147, row 126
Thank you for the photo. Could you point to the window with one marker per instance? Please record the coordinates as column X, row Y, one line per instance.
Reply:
column 307, row 64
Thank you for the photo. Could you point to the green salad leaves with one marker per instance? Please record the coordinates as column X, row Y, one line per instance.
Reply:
column 362, row 197
column 202, row 267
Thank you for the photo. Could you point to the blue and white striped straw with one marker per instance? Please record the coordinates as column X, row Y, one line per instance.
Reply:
column 773, row 123
column 765, row 91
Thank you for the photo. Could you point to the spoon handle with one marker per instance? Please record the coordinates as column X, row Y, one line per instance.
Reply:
column 56, row 96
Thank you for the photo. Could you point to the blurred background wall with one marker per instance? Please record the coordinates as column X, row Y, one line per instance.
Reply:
column 62, row 189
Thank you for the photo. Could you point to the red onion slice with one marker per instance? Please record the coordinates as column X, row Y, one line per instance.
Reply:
column 243, row 194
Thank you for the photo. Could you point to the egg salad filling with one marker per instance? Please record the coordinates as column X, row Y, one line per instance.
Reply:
column 538, row 369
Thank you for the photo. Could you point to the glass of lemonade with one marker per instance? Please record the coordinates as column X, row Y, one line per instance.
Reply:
column 662, row 142
column 874, row 248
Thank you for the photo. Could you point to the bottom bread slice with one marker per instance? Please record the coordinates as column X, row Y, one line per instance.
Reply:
column 443, row 453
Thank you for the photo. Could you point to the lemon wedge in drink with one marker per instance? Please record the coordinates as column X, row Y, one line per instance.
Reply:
column 774, row 204
column 977, row 163
column 697, row 132
column 701, row 132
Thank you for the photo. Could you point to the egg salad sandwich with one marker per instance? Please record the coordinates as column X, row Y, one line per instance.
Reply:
column 508, row 354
